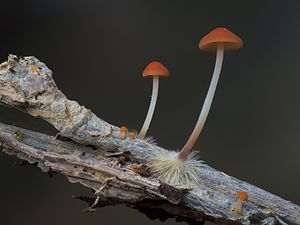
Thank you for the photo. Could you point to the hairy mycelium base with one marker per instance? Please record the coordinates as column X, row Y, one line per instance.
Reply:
column 150, row 140
column 167, row 167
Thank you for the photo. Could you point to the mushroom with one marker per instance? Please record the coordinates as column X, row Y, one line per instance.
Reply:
column 183, row 168
column 123, row 131
column 132, row 135
column 156, row 70
column 242, row 196
column 218, row 40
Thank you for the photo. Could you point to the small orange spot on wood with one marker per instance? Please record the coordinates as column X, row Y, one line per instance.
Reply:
column 34, row 69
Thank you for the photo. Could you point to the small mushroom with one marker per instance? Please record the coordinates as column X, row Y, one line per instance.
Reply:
column 242, row 196
column 123, row 131
column 155, row 70
column 132, row 135
column 218, row 40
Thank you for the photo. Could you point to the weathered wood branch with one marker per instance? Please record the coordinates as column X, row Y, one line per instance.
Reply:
column 27, row 84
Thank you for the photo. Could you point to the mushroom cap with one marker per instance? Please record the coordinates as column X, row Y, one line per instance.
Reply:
column 155, row 69
column 123, row 129
column 242, row 195
column 220, row 35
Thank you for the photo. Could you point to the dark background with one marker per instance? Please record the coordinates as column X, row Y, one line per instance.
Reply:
column 97, row 51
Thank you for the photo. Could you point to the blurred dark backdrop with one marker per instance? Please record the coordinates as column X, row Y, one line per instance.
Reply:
column 97, row 51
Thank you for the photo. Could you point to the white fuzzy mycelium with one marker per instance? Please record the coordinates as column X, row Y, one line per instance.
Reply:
column 166, row 166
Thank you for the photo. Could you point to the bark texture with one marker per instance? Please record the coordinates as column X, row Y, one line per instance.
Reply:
column 117, row 169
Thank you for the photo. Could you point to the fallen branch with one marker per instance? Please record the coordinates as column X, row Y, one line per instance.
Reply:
column 27, row 84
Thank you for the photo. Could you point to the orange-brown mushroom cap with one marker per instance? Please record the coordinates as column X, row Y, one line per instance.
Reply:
column 155, row 69
column 219, row 35
column 123, row 129
column 242, row 195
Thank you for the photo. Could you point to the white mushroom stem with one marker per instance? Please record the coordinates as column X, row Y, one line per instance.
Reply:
column 183, row 154
column 149, row 116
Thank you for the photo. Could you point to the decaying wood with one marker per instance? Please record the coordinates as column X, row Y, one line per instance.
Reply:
column 117, row 169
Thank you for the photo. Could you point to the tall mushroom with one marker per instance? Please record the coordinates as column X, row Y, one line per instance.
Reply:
column 183, row 168
column 155, row 70
column 218, row 40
